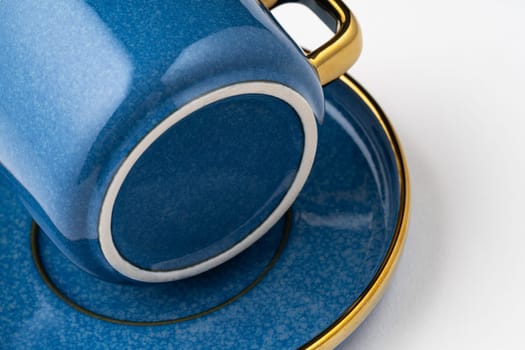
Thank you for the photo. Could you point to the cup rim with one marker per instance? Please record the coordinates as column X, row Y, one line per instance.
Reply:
column 309, row 124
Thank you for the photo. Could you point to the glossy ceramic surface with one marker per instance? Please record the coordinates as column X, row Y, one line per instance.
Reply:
column 213, row 201
column 293, row 287
column 84, row 81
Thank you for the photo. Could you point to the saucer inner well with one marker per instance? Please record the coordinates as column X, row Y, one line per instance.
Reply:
column 158, row 304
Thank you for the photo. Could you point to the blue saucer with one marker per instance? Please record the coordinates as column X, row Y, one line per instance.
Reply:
column 308, row 283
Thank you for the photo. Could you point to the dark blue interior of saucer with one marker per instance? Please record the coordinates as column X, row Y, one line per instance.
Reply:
column 343, row 226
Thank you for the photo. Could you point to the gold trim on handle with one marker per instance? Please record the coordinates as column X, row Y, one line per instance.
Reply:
column 335, row 57
column 270, row 3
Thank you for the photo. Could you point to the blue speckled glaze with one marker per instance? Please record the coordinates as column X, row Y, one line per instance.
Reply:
column 210, row 204
column 343, row 226
column 83, row 81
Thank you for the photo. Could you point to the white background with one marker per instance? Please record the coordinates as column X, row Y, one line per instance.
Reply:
column 451, row 77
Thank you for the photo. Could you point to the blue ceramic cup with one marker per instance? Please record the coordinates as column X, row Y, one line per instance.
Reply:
column 154, row 140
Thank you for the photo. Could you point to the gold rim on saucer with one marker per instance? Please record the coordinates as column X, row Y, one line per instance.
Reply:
column 338, row 331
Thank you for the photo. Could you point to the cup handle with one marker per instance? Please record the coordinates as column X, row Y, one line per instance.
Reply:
column 337, row 55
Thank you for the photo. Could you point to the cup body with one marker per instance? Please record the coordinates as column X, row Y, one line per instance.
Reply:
column 152, row 141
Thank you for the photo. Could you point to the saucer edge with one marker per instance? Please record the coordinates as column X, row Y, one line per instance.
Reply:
column 350, row 320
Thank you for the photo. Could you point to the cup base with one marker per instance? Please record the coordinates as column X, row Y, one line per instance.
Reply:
column 207, row 182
